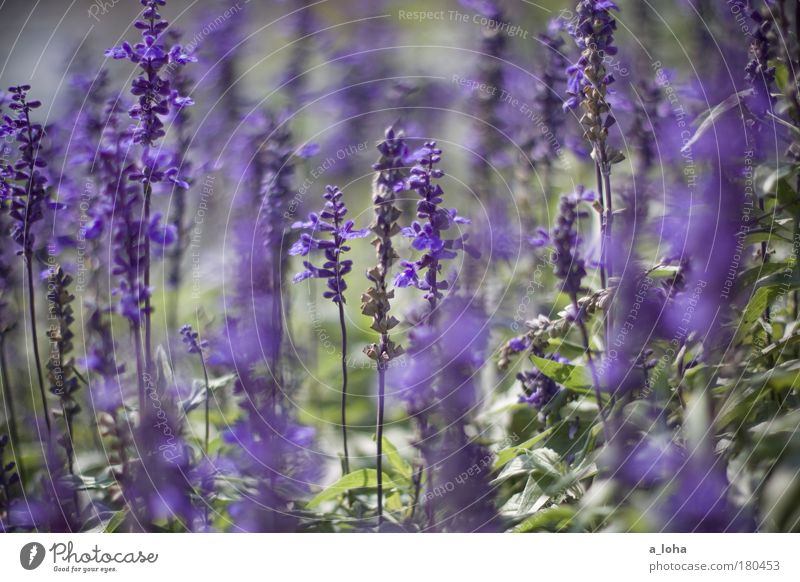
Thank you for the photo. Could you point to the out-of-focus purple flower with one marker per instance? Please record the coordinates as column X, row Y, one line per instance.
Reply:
column 440, row 390
column 569, row 266
column 331, row 220
column 646, row 460
column 538, row 389
column 159, row 482
column 698, row 500
column 103, row 369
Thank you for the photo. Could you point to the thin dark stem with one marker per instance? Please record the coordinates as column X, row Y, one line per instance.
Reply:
column 379, row 433
column 27, row 254
column 346, row 459
column 148, row 330
column 208, row 396
column 37, row 358
column 609, row 252
column 8, row 394
column 609, row 211
column 137, row 345
column 590, row 359
column 601, row 200
column 277, row 328
column 603, row 243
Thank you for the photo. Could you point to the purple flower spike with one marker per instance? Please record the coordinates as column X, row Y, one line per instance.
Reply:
column 428, row 236
column 330, row 220
column 153, row 90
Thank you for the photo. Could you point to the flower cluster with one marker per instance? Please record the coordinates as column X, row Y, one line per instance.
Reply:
column 593, row 31
column 376, row 300
column 191, row 339
column 538, row 389
column 331, row 220
column 569, row 266
column 152, row 88
column 428, row 236
column 28, row 191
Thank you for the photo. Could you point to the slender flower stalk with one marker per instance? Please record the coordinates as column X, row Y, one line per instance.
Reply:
column 429, row 236
column 28, row 198
column 760, row 75
column 331, row 220
column 376, row 301
column 570, row 268
column 196, row 346
column 588, row 87
column 154, row 97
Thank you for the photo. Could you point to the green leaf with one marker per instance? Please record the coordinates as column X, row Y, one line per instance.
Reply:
column 397, row 462
column 198, row 396
column 571, row 376
column 551, row 519
column 755, row 307
column 748, row 278
column 116, row 520
column 507, row 454
column 361, row 479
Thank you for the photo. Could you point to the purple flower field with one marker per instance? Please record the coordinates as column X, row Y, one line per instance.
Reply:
column 399, row 266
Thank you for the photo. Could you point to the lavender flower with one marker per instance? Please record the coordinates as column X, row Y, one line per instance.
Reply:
column 542, row 142
column 331, row 220
column 272, row 450
column 442, row 396
column 759, row 72
column 154, row 97
column 375, row 302
column 570, row 267
column 152, row 89
column 588, row 86
column 28, row 198
column 428, row 236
